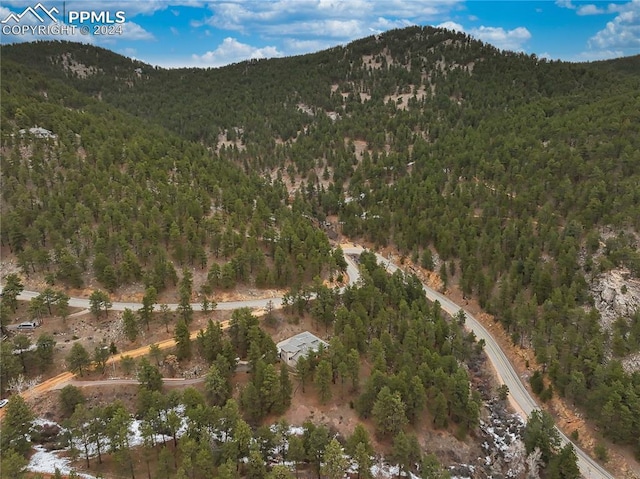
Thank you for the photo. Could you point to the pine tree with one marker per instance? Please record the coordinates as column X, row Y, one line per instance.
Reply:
column 209, row 341
column 99, row 300
column 155, row 353
column 12, row 465
column 100, row 356
column 16, row 425
column 130, row 325
column 165, row 316
column 78, row 359
column 183, row 340
column 12, row 288
column 323, row 381
column 45, row 346
column 21, row 345
column 280, row 472
column 303, row 371
column 256, row 467
column 149, row 376
column 37, row 308
column 81, row 425
column 216, row 386
column 165, row 464
column 438, row 409
column 316, row 440
column 62, row 305
column 389, row 413
column 10, row 364
column 564, row 464
column 70, row 398
column 97, row 430
column 148, row 301
column 296, row 452
column 285, row 390
column 540, row 433
column 406, row 452
column 363, row 460
column 359, row 436
column 335, row 463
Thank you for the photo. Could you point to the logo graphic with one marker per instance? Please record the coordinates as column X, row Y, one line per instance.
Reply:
column 33, row 11
column 40, row 21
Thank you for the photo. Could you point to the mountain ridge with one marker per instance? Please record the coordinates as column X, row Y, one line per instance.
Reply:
column 512, row 176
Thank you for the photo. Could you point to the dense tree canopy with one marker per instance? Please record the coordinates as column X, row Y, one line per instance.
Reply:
column 513, row 176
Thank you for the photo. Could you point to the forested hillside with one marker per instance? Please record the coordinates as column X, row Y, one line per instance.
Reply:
column 513, row 176
column 217, row 434
column 106, row 195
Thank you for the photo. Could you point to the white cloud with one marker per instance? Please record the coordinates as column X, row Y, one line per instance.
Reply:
column 385, row 24
column 590, row 9
column 147, row 7
column 619, row 37
column 129, row 52
column 131, row 8
column 566, row 4
column 341, row 29
column 456, row 27
column 501, row 38
column 418, row 11
column 497, row 36
column 622, row 7
column 4, row 12
column 297, row 24
column 298, row 47
column 330, row 29
column 233, row 51
column 265, row 16
column 623, row 32
column 133, row 31
column 174, row 31
column 594, row 55
column 234, row 16
column 344, row 7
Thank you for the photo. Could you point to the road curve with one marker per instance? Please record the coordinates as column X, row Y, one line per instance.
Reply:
column 523, row 402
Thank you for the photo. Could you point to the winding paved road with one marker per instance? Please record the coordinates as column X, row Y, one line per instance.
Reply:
column 520, row 398
column 522, row 401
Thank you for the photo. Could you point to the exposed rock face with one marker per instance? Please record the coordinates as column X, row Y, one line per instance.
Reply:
column 631, row 362
column 616, row 294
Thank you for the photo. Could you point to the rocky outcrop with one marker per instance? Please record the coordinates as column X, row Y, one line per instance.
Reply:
column 631, row 363
column 616, row 294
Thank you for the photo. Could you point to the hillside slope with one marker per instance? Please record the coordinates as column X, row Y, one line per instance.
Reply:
column 99, row 193
column 512, row 176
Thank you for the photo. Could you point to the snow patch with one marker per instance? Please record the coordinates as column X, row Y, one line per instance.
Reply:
column 47, row 462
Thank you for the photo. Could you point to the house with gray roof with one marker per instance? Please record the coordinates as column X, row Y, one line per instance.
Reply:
column 292, row 349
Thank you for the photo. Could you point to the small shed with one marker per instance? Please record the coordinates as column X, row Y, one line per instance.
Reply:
column 292, row 349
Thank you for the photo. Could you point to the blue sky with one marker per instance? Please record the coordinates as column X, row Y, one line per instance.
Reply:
column 187, row 33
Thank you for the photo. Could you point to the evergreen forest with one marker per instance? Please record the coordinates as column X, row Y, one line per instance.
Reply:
column 514, row 178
